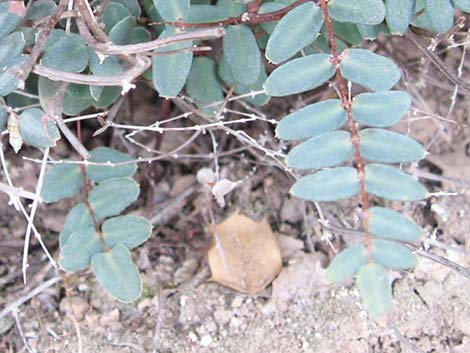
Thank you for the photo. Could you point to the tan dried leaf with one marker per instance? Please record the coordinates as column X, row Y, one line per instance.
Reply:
column 245, row 255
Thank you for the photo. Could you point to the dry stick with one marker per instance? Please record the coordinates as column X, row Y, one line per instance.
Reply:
column 346, row 102
column 160, row 319
column 34, row 207
column 57, row 116
column 110, row 116
column 87, row 14
column 57, row 110
column 19, row 192
column 123, row 79
column 20, row 331
column 438, row 63
column 142, row 63
column 20, row 301
column 19, row 206
column 404, row 340
column 113, row 49
column 107, row 47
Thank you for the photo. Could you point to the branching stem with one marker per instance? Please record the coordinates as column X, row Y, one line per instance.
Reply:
column 86, row 192
column 251, row 17
column 355, row 139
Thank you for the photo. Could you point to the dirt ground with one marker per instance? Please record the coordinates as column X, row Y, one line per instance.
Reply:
column 181, row 311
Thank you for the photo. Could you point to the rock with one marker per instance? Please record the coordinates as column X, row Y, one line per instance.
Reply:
column 222, row 316
column 206, row 340
column 300, row 279
column 74, row 306
column 111, row 319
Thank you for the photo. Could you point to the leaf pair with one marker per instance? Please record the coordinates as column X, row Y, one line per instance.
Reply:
column 357, row 65
column 65, row 180
column 380, row 109
column 120, row 23
column 330, row 149
column 78, row 248
column 342, row 182
column 114, row 268
column 372, row 279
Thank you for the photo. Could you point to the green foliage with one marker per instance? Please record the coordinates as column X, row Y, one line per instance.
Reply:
column 172, row 10
column 381, row 109
column 77, row 251
column 37, row 129
column 204, row 86
column 390, row 183
column 78, row 218
column 61, row 181
column 325, row 150
column 3, row 117
column 225, row 73
column 113, row 14
column 325, row 147
column 242, row 54
column 298, row 39
column 328, row 185
column 385, row 146
column 399, row 14
column 346, row 264
column 11, row 57
column 116, row 272
column 40, row 9
column 8, row 20
column 299, row 75
column 440, row 14
column 130, row 231
column 109, row 156
column 113, row 196
column 329, row 116
column 369, row 70
column 67, row 53
column 392, row 255
column 88, row 238
column 293, row 32
column 170, row 72
column 375, row 288
column 368, row 12
column 390, row 224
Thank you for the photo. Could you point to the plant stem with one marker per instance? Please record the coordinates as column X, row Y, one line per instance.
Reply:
column 250, row 17
column 86, row 192
column 355, row 139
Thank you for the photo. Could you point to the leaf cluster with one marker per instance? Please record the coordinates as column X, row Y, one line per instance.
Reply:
column 296, row 39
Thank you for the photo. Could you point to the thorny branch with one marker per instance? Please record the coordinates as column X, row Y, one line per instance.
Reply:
column 434, row 59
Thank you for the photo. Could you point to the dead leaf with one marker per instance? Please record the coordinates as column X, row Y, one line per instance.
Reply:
column 245, row 255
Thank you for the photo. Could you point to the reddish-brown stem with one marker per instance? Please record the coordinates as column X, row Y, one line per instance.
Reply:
column 250, row 17
column 86, row 192
column 346, row 102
